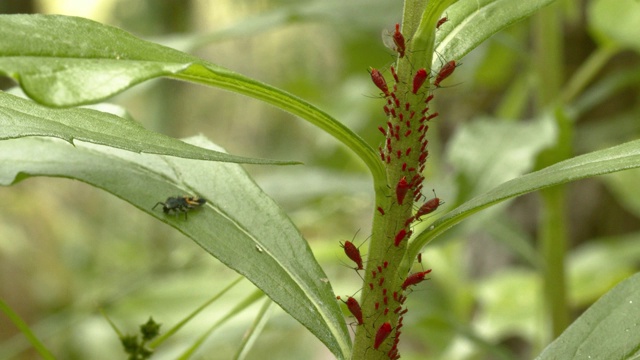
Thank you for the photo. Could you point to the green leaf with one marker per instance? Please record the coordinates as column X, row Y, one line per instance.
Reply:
column 471, row 22
column 239, row 225
column 20, row 117
column 66, row 61
column 617, row 158
column 610, row 329
column 615, row 22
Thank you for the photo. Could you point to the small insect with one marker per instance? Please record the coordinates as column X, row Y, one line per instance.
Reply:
column 353, row 253
column 401, row 190
column 441, row 21
column 429, row 207
column 180, row 204
column 414, row 279
column 379, row 81
column 444, row 72
column 354, row 308
column 394, row 41
column 418, row 80
column 382, row 334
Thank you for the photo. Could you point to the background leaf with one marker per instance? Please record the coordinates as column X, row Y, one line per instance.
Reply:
column 239, row 225
column 609, row 329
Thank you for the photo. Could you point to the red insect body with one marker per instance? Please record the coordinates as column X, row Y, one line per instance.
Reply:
column 445, row 72
column 401, row 190
column 441, row 21
column 381, row 282
column 414, row 279
column 382, row 334
column 428, row 207
column 420, row 258
column 400, row 236
column 398, row 39
column 354, row 308
column 382, row 130
column 385, row 264
column 353, row 253
column 426, row 101
column 379, row 81
column 406, row 153
column 407, row 106
column 432, row 116
column 404, row 166
column 380, row 210
column 418, row 80
column 395, row 75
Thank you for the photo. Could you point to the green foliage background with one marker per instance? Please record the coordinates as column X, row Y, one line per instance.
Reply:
column 67, row 249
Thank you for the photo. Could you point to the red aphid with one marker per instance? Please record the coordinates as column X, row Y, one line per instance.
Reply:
column 400, row 236
column 395, row 75
column 380, row 210
column 398, row 39
column 354, row 308
column 441, row 21
column 414, row 279
column 429, row 98
column 432, row 116
column 401, row 190
column 428, row 207
column 445, row 72
column 353, row 253
column 379, row 81
column 419, row 79
column 382, row 334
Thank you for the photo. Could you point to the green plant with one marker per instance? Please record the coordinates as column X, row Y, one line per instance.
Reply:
column 63, row 62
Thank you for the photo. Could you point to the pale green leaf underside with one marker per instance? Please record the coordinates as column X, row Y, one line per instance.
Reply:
column 609, row 329
column 617, row 158
column 20, row 117
column 239, row 225
column 471, row 22
column 68, row 61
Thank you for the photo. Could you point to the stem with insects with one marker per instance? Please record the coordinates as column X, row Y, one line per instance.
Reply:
column 403, row 152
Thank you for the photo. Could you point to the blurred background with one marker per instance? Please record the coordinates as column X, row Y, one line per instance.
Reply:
column 68, row 250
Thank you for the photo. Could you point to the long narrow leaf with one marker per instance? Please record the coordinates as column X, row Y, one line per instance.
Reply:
column 20, row 117
column 239, row 224
column 617, row 158
column 68, row 61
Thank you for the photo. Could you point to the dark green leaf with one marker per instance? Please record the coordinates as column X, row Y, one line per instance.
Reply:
column 239, row 224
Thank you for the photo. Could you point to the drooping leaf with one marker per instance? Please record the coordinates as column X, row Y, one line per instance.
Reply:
column 239, row 224
column 20, row 117
column 68, row 61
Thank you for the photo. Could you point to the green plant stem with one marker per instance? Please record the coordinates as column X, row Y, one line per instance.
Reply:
column 26, row 331
column 553, row 248
column 418, row 29
column 553, row 237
